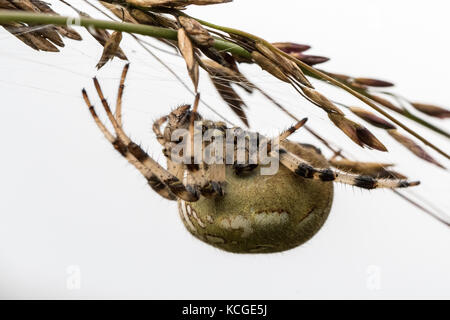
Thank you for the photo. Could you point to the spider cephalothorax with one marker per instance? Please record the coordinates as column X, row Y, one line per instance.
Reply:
column 231, row 204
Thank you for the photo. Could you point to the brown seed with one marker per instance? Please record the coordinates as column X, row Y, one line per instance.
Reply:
column 187, row 50
column 372, row 118
column 431, row 110
column 413, row 147
column 358, row 133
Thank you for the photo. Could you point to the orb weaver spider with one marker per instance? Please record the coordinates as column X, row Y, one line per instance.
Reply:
column 230, row 205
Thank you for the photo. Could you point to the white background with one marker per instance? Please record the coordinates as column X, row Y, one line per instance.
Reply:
column 70, row 205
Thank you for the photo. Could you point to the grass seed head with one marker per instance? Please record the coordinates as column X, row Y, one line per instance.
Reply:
column 358, row 133
column 431, row 110
column 290, row 47
column 373, row 82
column 372, row 118
column 413, row 147
column 269, row 66
column 321, row 101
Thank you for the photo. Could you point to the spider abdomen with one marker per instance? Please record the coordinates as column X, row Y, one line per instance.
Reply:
column 261, row 214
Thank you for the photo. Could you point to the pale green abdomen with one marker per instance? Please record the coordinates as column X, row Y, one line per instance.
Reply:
column 260, row 214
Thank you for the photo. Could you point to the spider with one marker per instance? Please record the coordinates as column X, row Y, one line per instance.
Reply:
column 233, row 206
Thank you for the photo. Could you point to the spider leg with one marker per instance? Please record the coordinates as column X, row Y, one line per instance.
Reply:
column 304, row 169
column 197, row 177
column 214, row 162
column 157, row 130
column 160, row 176
column 152, row 180
column 373, row 169
column 118, row 112
column 216, row 176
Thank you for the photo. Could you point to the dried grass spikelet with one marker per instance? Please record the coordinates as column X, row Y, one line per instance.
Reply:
column 178, row 4
column 290, row 47
column 372, row 118
column 153, row 19
column 139, row 17
column 309, row 59
column 288, row 67
column 65, row 31
column 296, row 50
column 199, row 35
column 222, row 79
column 44, row 38
column 217, row 70
column 120, row 12
column 187, row 51
column 231, row 97
column 30, row 38
column 340, row 77
column 102, row 36
column 385, row 103
column 373, row 82
column 110, row 48
column 358, row 133
column 321, row 101
column 269, row 66
column 413, row 147
column 431, row 110
column 373, row 169
column 203, row 40
column 133, row 15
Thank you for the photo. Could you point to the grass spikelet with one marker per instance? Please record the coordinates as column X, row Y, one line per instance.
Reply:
column 358, row 133
column 187, row 51
column 372, row 118
column 431, row 110
column 199, row 35
column 321, row 101
column 110, row 48
column 414, row 147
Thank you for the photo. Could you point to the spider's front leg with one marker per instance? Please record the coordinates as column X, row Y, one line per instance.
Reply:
column 160, row 180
